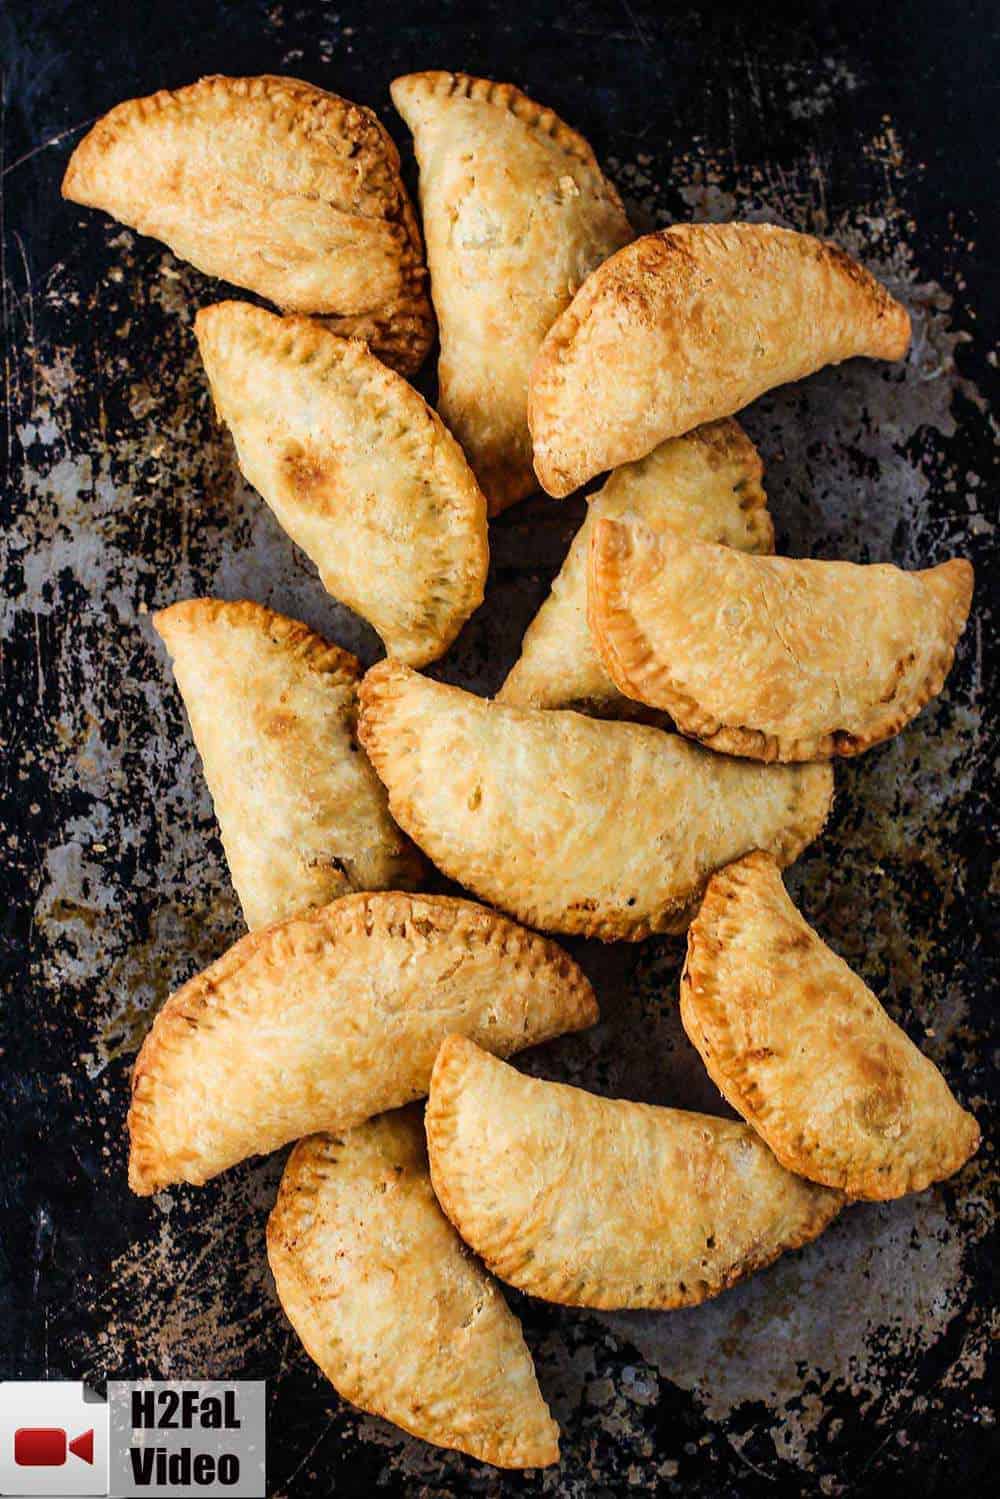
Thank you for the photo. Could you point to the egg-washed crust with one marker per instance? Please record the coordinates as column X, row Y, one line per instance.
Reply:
column 273, row 711
column 599, row 829
column 390, row 1304
column 516, row 213
column 706, row 484
column 802, row 1049
column 597, row 1202
column 772, row 658
column 357, row 468
column 321, row 1021
column 276, row 186
column 690, row 324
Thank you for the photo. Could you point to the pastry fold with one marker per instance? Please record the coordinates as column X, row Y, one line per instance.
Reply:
column 392, row 1307
column 324, row 1020
column 803, row 1050
column 572, row 824
column 357, row 468
column 276, row 186
column 691, row 324
column 273, row 710
column 516, row 214
column 706, row 484
column 774, row 658
column 597, row 1202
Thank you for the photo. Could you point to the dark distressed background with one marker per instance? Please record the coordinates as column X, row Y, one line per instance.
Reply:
column 860, row 1366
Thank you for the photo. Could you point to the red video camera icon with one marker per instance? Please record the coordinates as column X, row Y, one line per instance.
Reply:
column 47, row 1446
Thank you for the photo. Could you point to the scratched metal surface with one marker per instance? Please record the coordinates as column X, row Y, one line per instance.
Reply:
column 859, row 1366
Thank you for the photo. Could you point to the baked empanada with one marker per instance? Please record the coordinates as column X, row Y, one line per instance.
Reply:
column 690, row 324
column 276, row 186
column 774, row 658
column 597, row 1202
column 390, row 1304
column 604, row 829
column 706, row 484
column 516, row 214
column 273, row 711
column 358, row 469
column 801, row 1047
column 328, row 1018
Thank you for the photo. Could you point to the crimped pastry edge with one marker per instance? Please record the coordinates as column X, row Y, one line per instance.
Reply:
column 386, row 680
column 310, row 342
column 440, row 1121
column 206, row 994
column 402, row 332
column 613, row 278
column 702, row 1001
column 292, row 1217
column 631, row 661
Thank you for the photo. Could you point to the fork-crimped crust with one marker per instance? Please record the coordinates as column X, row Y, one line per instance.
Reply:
column 690, row 324
column 516, row 213
column 358, row 469
column 775, row 658
column 273, row 710
column 706, row 484
column 801, row 1047
column 392, row 1307
column 323, row 1020
column 274, row 185
column 598, row 1202
column 604, row 829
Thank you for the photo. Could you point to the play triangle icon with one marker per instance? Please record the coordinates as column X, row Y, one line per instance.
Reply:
column 83, row 1446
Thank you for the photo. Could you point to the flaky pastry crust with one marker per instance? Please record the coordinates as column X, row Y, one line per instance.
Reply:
column 773, row 658
column 326, row 1019
column 597, row 1202
column 276, row 186
column 707, row 484
column 801, row 1047
column 604, row 829
column 691, row 324
column 273, row 710
column 390, row 1304
column 516, row 214
column 358, row 469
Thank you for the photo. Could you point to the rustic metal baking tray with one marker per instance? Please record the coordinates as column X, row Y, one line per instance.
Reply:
column 858, row 1366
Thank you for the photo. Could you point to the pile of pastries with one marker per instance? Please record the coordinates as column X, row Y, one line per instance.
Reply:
column 661, row 749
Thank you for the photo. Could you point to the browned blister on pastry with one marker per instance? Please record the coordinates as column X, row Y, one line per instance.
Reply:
column 516, row 214
column 801, row 1047
column 706, row 484
column 273, row 710
column 358, row 469
column 774, row 658
column 276, row 186
column 690, row 324
column 597, row 1202
column 326, row 1019
column 575, row 825
column 390, row 1304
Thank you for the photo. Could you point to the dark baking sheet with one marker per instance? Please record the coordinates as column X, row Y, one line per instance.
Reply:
column 859, row 1366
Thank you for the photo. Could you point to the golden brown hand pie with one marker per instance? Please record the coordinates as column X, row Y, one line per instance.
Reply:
column 771, row 657
column 516, row 214
column 706, row 484
column 273, row 711
column 325, row 1019
column 596, row 1202
column 604, row 829
column 276, row 186
column 357, row 468
column 804, row 1051
column 390, row 1304
column 690, row 324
